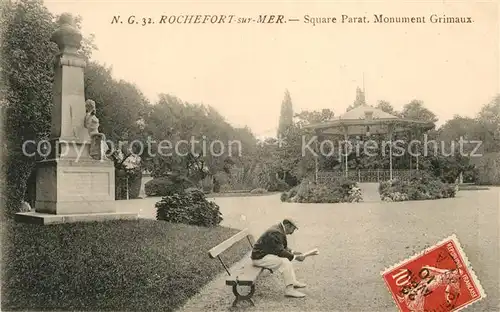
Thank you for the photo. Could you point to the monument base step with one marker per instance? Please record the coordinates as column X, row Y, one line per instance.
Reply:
column 46, row 218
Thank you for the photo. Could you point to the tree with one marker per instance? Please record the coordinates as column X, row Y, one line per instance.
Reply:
column 286, row 114
column 88, row 45
column 386, row 107
column 118, row 103
column 459, row 127
column 214, row 145
column 288, row 159
column 417, row 111
column 489, row 124
column 308, row 117
column 26, row 66
column 448, row 168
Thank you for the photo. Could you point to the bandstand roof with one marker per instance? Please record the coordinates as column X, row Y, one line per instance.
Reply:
column 356, row 121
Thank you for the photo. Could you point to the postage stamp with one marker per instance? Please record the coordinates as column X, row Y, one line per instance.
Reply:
column 438, row 279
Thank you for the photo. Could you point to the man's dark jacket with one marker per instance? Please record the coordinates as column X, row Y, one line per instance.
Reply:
column 272, row 242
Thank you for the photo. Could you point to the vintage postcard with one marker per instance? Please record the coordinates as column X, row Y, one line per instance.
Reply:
column 250, row 156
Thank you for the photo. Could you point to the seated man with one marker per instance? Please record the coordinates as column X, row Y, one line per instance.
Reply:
column 271, row 252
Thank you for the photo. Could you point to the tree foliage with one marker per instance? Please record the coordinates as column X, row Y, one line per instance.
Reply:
column 417, row 111
column 201, row 142
column 286, row 114
column 488, row 121
column 312, row 117
column 119, row 104
column 386, row 107
column 26, row 65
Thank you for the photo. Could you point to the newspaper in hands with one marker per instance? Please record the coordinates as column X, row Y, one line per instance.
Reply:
column 312, row 252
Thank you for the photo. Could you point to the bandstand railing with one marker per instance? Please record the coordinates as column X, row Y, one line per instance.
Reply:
column 366, row 175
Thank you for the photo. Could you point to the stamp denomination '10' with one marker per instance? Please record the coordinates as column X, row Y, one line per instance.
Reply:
column 439, row 279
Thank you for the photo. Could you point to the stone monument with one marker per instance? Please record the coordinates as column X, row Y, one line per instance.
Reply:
column 98, row 145
column 75, row 182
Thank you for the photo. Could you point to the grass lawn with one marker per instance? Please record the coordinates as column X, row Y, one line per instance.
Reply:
column 141, row 265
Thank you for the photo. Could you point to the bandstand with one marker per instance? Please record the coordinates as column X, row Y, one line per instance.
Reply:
column 363, row 122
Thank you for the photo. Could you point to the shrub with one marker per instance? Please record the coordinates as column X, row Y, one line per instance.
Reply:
column 420, row 187
column 384, row 186
column 276, row 185
column 258, row 191
column 169, row 185
column 338, row 191
column 355, row 194
column 289, row 196
column 189, row 207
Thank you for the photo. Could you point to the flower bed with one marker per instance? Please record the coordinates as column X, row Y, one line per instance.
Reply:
column 421, row 187
column 338, row 191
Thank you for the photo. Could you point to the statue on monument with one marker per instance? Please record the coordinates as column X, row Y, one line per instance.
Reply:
column 98, row 146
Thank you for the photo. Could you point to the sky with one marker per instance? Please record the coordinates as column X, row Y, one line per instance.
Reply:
column 243, row 70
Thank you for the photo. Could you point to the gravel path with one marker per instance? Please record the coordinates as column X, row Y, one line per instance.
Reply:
column 356, row 242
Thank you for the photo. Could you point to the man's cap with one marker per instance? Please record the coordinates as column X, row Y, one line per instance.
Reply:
column 291, row 221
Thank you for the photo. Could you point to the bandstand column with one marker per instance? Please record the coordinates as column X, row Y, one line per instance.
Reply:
column 391, row 128
column 418, row 136
column 346, row 136
column 410, row 138
column 316, row 158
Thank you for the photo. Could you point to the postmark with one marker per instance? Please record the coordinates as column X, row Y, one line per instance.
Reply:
column 439, row 279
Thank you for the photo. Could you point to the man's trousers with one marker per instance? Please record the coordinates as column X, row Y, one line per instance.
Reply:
column 283, row 265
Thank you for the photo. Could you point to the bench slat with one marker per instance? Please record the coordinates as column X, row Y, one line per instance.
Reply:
column 217, row 250
column 245, row 275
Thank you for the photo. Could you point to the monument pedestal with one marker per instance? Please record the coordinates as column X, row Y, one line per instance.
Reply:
column 75, row 186
column 74, row 190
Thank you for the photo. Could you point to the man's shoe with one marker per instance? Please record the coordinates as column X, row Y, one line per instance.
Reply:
column 294, row 293
column 299, row 285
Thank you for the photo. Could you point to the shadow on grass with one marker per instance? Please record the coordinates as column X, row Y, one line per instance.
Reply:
column 141, row 265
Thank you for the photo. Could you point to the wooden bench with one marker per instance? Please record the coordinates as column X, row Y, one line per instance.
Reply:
column 244, row 276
